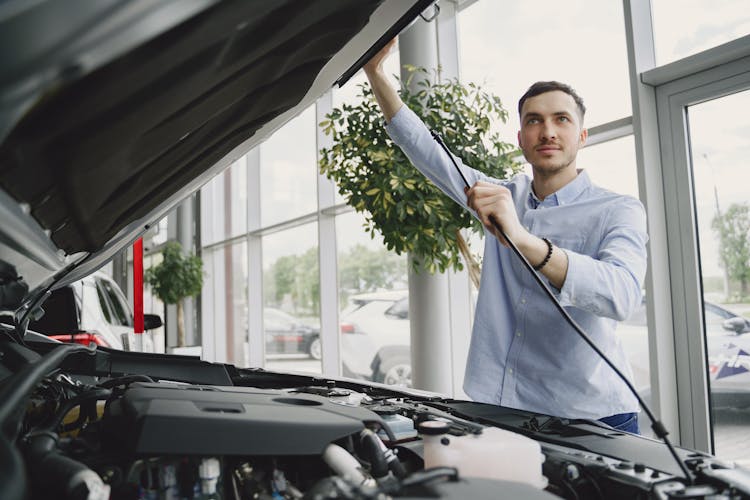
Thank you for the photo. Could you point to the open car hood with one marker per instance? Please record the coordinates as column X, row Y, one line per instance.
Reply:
column 112, row 112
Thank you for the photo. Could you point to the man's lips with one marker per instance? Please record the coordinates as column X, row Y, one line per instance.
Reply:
column 547, row 149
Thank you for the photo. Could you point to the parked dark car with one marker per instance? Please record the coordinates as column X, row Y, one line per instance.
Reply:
column 286, row 334
column 110, row 114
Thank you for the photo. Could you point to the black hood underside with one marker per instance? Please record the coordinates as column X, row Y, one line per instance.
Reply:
column 105, row 149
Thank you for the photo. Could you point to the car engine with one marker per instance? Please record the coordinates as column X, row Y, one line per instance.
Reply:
column 133, row 437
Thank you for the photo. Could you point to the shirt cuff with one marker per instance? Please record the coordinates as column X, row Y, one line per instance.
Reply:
column 572, row 278
column 402, row 124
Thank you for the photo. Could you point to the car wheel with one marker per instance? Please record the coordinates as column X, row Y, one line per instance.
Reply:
column 396, row 371
column 315, row 350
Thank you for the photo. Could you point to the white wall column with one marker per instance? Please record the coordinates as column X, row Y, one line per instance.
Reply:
column 186, row 237
column 429, row 304
column 327, row 254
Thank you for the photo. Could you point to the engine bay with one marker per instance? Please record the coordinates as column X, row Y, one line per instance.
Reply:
column 86, row 434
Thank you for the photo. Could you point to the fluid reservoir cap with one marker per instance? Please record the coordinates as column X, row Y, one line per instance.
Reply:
column 433, row 428
column 383, row 409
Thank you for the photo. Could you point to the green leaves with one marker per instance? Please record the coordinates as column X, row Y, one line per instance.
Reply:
column 176, row 276
column 733, row 229
column 377, row 179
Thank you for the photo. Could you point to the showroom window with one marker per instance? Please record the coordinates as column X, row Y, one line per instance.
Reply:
column 224, row 205
column 224, row 294
column 291, row 299
column 373, row 296
column 287, row 170
column 686, row 27
column 507, row 46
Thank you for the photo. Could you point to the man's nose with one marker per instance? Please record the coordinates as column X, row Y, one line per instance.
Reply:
column 548, row 130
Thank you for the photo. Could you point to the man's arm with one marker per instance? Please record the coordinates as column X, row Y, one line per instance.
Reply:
column 386, row 95
column 491, row 201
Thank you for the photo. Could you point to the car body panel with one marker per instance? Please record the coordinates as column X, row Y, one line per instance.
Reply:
column 376, row 325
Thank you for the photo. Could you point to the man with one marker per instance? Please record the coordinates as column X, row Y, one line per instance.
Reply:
column 589, row 243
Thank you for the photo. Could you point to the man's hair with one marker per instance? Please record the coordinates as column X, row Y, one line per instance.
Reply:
column 544, row 87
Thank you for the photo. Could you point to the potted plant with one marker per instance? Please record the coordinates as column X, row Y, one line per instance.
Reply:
column 176, row 277
column 377, row 179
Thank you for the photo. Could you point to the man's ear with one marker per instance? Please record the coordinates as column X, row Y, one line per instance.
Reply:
column 582, row 137
column 518, row 135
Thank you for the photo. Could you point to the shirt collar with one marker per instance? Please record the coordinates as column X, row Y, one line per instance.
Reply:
column 565, row 194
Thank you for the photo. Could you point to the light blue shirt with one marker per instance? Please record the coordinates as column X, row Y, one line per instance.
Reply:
column 523, row 354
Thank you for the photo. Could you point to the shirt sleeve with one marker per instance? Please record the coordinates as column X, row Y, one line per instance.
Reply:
column 610, row 284
column 408, row 131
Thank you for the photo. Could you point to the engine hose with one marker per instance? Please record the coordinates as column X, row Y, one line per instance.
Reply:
column 373, row 453
column 345, row 465
column 58, row 476
column 388, row 455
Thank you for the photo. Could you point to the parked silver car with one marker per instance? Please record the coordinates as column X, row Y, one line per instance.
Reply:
column 728, row 349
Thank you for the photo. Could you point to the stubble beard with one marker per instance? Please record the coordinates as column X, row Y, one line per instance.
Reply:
column 549, row 171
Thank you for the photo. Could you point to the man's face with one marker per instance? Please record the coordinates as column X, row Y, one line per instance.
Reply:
column 551, row 132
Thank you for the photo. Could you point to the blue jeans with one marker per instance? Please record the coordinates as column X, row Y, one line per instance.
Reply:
column 627, row 422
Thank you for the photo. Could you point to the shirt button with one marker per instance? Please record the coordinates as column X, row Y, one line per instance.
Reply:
column 523, row 301
column 518, row 334
column 510, row 370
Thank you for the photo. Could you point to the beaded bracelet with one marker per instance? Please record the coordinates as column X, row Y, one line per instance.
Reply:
column 546, row 259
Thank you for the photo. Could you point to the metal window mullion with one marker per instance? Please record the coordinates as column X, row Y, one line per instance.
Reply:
column 684, row 269
column 661, row 339
column 673, row 100
column 327, row 253
column 255, row 335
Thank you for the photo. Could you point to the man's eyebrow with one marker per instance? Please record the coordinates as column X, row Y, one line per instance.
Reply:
column 534, row 114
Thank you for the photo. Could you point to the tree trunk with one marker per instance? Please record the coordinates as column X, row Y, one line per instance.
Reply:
column 180, row 325
column 743, row 289
column 471, row 263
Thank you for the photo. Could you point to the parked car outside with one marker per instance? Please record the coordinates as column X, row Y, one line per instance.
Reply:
column 375, row 337
column 93, row 310
column 381, row 351
column 728, row 349
column 286, row 334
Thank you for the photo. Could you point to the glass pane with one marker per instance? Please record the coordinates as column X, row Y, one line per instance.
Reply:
column 504, row 47
column 374, row 297
column 224, row 205
column 121, row 314
column 288, row 170
column 291, row 299
column 159, row 233
column 235, row 305
column 152, row 304
column 612, row 165
column 719, row 148
column 686, row 27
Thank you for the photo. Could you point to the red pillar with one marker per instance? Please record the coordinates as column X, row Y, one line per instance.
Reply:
column 138, row 285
